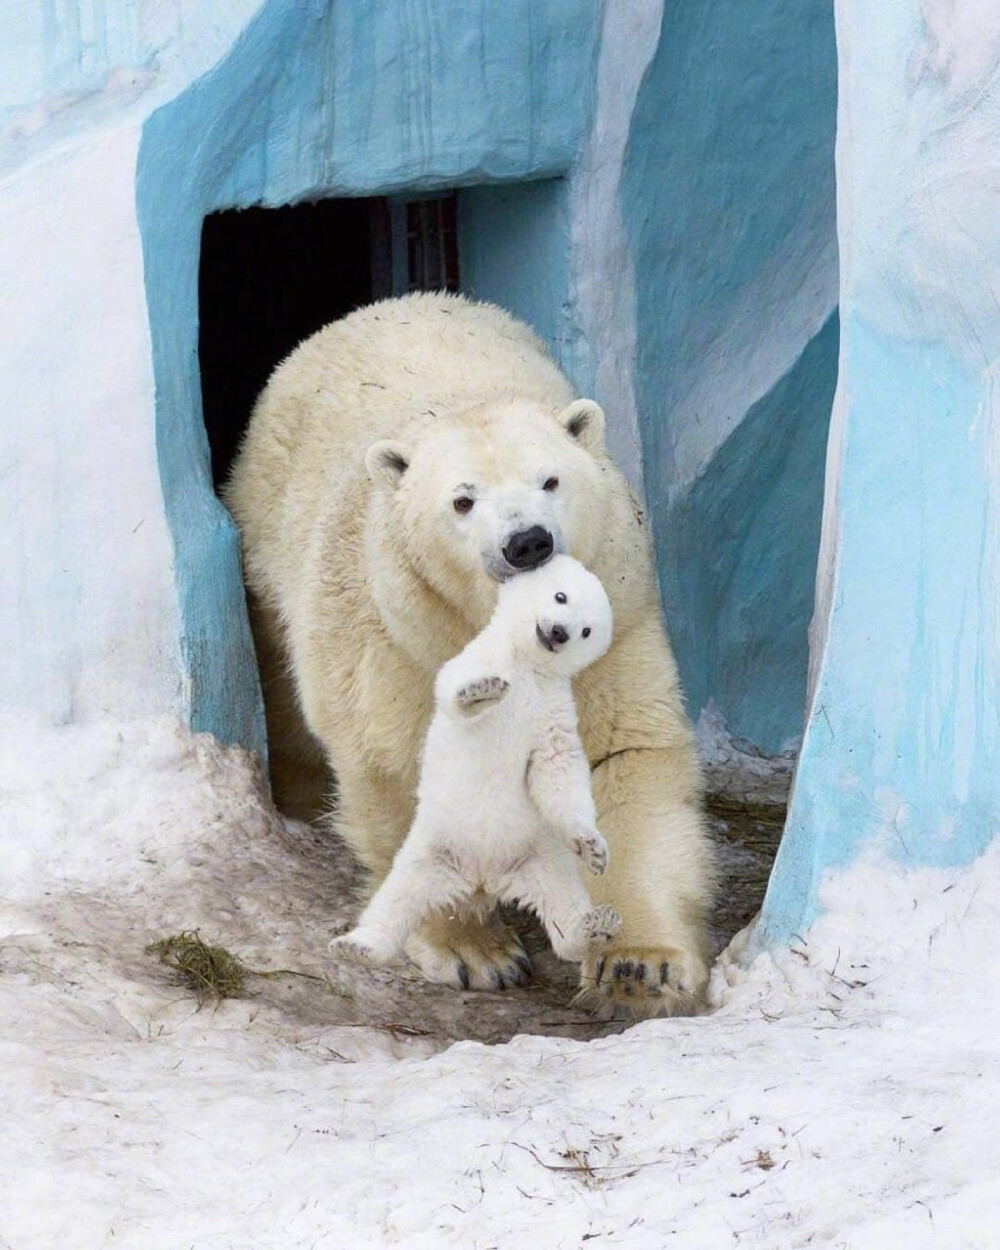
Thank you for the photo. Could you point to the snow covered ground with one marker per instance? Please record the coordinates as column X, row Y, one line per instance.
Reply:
column 840, row 1095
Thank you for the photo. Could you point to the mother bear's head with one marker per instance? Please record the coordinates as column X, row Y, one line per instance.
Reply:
column 469, row 499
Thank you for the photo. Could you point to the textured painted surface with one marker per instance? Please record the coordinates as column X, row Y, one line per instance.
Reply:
column 728, row 199
column 314, row 98
column 743, row 540
column 327, row 99
column 903, row 737
column 90, row 624
column 68, row 66
column 513, row 243
column 602, row 260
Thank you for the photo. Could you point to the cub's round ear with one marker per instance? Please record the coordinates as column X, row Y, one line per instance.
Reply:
column 386, row 462
column 584, row 421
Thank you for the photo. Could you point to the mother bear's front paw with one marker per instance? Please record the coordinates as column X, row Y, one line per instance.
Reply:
column 646, row 980
column 469, row 954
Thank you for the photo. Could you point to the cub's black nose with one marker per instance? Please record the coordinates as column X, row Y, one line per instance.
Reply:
column 558, row 635
column 528, row 548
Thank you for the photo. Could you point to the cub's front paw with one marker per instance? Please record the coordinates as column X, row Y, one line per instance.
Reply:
column 475, row 696
column 592, row 849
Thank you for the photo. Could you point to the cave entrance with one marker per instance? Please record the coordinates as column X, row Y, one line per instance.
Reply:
column 270, row 277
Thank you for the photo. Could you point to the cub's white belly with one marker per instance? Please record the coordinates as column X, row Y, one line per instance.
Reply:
column 473, row 801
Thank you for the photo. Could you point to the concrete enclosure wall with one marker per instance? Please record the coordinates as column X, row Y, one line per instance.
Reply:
column 902, row 743
column 347, row 99
column 729, row 202
column 90, row 624
column 606, row 193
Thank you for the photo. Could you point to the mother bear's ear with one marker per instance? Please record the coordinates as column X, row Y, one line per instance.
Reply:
column 584, row 421
column 386, row 462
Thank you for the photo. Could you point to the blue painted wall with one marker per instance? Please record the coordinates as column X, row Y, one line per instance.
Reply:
column 339, row 97
column 742, row 545
column 728, row 197
column 498, row 228
column 902, row 746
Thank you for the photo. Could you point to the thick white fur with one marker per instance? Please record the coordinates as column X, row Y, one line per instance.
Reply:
column 364, row 580
column 504, row 802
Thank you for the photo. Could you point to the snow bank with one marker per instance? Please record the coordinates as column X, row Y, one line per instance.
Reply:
column 835, row 1097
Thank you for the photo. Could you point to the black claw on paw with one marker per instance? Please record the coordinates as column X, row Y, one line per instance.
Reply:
column 524, row 963
column 664, row 973
column 599, row 969
column 498, row 979
column 463, row 976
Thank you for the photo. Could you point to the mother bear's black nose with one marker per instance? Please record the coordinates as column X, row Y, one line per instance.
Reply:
column 528, row 548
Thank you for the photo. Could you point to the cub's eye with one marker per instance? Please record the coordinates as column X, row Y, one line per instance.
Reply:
column 550, row 483
column 560, row 597
column 586, row 631
column 463, row 503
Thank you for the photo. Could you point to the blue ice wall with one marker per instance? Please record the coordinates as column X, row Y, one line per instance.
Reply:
column 324, row 98
column 729, row 201
column 902, row 745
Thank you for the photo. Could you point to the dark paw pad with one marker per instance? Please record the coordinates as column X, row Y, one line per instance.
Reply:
column 482, row 690
column 645, row 982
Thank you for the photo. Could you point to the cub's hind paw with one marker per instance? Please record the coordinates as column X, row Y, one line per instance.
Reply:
column 475, row 695
column 601, row 924
column 593, row 850
column 356, row 946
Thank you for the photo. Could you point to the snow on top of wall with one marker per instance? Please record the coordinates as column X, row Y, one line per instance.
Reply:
column 835, row 1096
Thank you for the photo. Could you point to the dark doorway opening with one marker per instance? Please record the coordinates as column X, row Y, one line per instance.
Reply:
column 269, row 278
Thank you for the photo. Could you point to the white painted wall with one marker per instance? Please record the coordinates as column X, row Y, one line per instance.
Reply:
column 93, row 625
column 89, row 625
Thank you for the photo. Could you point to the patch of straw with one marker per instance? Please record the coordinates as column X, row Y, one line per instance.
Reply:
column 208, row 971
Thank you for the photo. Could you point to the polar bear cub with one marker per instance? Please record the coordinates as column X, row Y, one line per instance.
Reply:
column 504, row 801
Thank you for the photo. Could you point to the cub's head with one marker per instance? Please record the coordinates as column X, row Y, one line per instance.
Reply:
column 560, row 615
column 476, row 498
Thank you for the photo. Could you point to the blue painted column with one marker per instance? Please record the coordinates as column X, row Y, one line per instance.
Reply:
column 902, row 747
column 728, row 199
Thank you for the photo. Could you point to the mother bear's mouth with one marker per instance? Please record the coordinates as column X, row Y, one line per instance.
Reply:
column 501, row 570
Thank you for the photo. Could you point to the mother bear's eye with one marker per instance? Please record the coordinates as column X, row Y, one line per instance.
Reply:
column 560, row 597
column 586, row 631
column 550, row 483
column 464, row 504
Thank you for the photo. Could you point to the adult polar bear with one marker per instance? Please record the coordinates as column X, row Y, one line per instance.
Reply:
column 398, row 465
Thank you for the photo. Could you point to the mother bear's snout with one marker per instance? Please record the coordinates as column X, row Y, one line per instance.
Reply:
column 529, row 548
